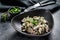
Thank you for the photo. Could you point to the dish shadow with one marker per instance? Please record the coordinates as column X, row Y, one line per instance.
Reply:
column 19, row 36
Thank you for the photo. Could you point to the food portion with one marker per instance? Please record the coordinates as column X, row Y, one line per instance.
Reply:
column 35, row 25
column 14, row 10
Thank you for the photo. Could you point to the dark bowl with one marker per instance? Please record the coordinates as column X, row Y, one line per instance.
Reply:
column 16, row 21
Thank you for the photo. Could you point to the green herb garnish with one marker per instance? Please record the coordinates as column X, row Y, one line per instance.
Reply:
column 4, row 17
column 14, row 10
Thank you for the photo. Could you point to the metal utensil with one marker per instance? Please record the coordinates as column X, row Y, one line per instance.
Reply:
column 40, row 4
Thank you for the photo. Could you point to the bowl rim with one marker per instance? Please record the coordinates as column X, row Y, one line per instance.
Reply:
column 32, row 34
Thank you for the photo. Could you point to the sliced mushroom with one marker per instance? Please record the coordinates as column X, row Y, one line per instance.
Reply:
column 29, row 25
column 47, row 28
column 40, row 30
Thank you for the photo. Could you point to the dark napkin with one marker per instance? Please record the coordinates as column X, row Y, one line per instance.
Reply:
column 25, row 3
column 6, row 4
